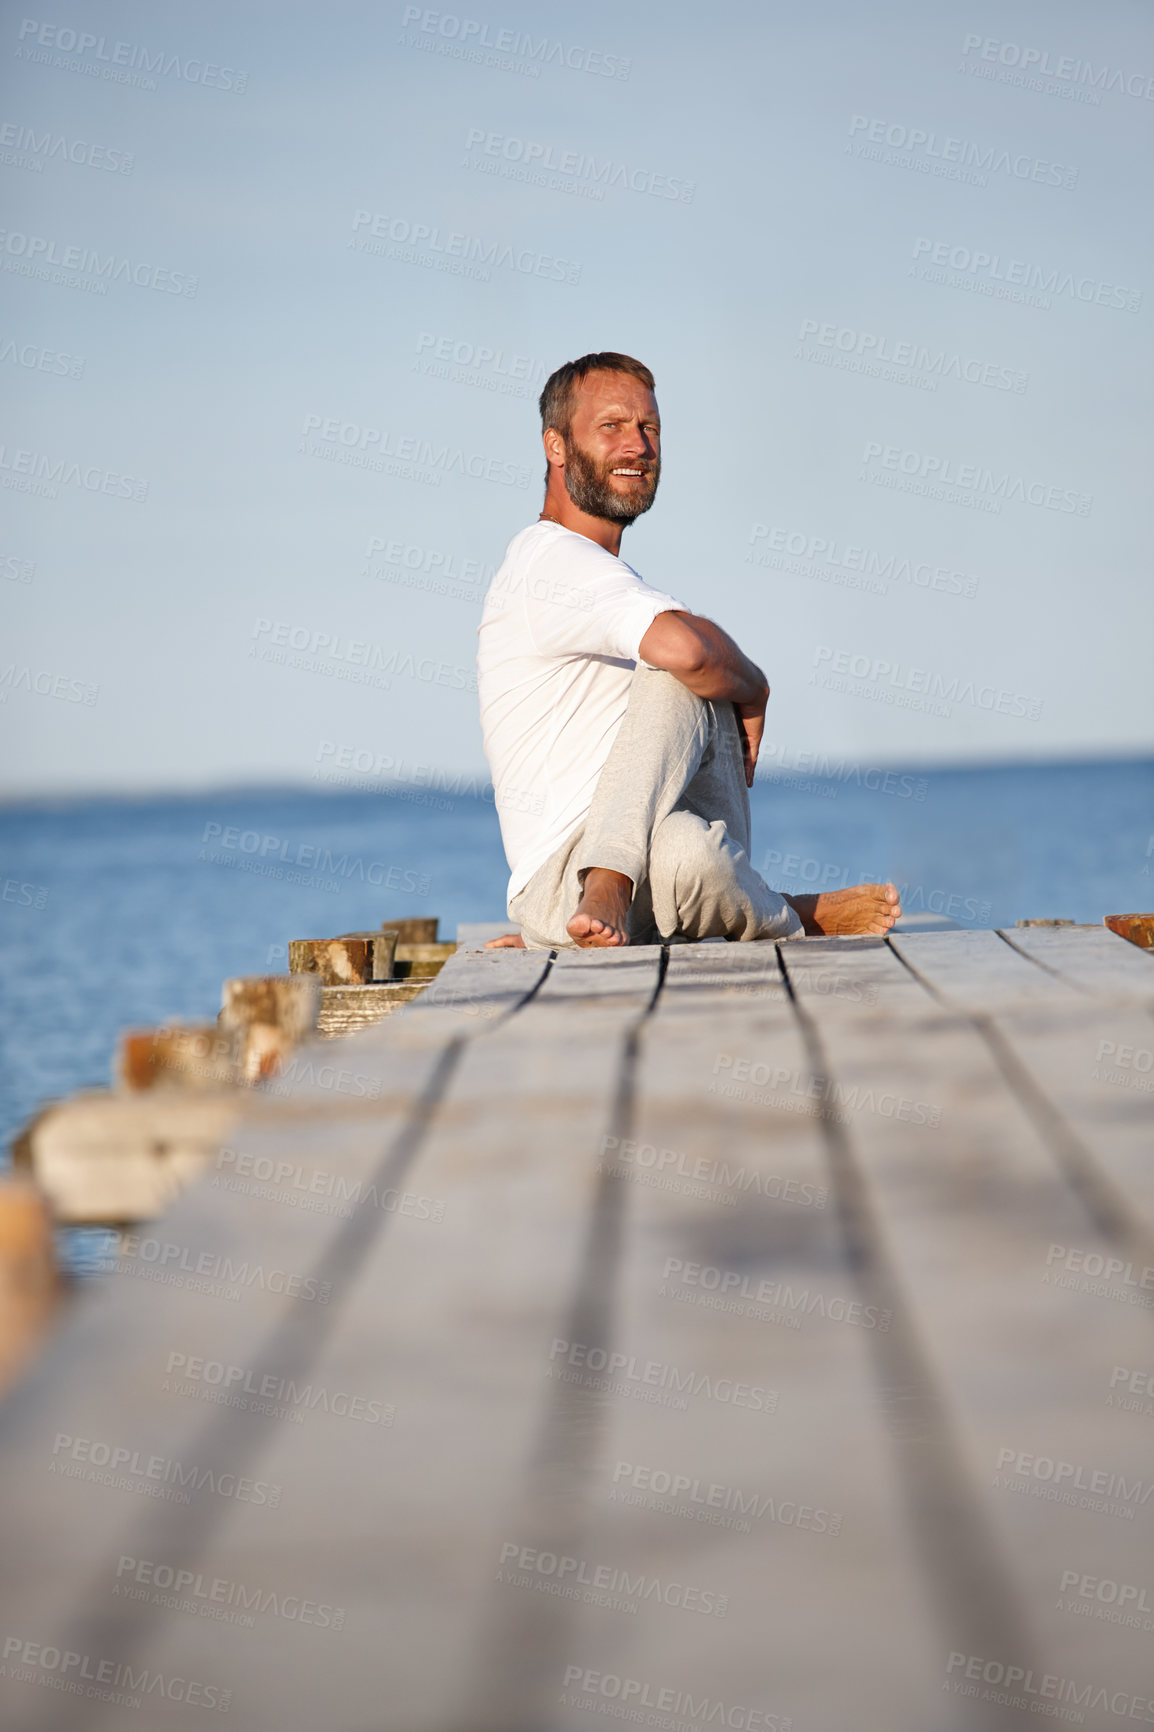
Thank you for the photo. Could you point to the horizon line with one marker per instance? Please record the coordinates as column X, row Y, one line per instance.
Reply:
column 15, row 798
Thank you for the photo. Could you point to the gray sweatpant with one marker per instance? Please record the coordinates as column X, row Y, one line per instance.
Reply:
column 671, row 812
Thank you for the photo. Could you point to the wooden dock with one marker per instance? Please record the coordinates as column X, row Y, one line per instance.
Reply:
column 754, row 1336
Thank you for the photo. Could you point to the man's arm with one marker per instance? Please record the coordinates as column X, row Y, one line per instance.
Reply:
column 703, row 657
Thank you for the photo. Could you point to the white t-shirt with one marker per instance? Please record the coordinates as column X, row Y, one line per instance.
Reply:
column 557, row 645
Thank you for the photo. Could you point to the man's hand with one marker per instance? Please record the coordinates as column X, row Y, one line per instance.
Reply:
column 750, row 726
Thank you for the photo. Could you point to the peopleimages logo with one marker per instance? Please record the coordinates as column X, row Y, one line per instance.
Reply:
column 577, row 166
column 973, row 479
column 128, row 1469
column 17, row 570
column 38, row 359
column 118, row 1682
column 119, row 60
column 432, row 562
column 1065, row 67
column 426, row 244
column 578, row 1578
column 1016, row 279
column 889, row 682
column 653, row 1380
column 367, row 447
column 807, row 771
column 1101, row 1597
column 216, row 1597
column 883, row 356
column 1073, row 1483
column 1022, row 1687
column 45, row 685
column 591, row 1691
column 27, row 255
column 37, row 473
column 264, row 1392
column 475, row 39
column 738, row 1284
column 719, row 1505
column 850, row 563
column 37, row 148
column 485, row 366
column 933, row 153
column 634, row 1158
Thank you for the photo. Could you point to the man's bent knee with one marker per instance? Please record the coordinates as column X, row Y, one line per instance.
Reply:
column 659, row 686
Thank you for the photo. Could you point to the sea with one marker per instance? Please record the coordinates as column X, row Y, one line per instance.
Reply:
column 120, row 913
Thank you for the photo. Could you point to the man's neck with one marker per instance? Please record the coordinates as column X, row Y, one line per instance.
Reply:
column 561, row 509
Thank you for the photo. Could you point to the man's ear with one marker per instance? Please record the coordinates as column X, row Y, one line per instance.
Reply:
column 554, row 446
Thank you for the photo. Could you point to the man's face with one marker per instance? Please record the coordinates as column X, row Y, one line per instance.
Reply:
column 613, row 452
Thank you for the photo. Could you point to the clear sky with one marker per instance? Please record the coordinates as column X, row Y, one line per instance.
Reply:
column 891, row 266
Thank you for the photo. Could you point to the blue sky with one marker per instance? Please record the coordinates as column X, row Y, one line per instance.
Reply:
column 897, row 300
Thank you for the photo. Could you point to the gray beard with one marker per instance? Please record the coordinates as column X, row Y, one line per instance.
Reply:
column 591, row 490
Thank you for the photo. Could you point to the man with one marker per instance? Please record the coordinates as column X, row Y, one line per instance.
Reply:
column 622, row 730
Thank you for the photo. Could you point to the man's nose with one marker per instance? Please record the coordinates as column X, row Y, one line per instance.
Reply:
column 638, row 443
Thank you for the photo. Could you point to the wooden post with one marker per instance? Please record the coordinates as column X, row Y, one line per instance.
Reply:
column 1138, row 928
column 269, row 1015
column 416, row 929
column 353, row 959
column 188, row 1056
column 29, row 1282
column 104, row 1159
column 421, row 961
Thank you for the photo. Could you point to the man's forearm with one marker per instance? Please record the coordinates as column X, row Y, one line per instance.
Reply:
column 704, row 658
column 726, row 671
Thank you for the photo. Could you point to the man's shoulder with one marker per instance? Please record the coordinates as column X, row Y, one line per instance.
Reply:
column 547, row 537
column 551, row 553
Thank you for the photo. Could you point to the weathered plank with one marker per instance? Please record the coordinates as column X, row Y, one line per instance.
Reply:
column 726, row 1509
column 618, row 1199
column 592, row 977
column 966, row 1209
column 439, row 1311
column 345, row 1009
column 471, row 990
column 978, row 969
column 227, row 1280
column 475, row 934
column 1088, row 1076
column 736, row 975
column 1091, row 957
column 849, row 975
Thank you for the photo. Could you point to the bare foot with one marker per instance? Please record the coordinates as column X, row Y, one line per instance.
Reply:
column 861, row 908
column 507, row 941
column 601, row 918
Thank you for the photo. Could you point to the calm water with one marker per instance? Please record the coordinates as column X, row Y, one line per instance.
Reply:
column 120, row 913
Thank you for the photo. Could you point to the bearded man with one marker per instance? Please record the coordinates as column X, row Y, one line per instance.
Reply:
column 622, row 730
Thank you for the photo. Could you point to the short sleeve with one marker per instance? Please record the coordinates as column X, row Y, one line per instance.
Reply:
column 581, row 600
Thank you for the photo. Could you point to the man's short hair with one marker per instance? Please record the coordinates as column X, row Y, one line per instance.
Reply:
column 556, row 401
